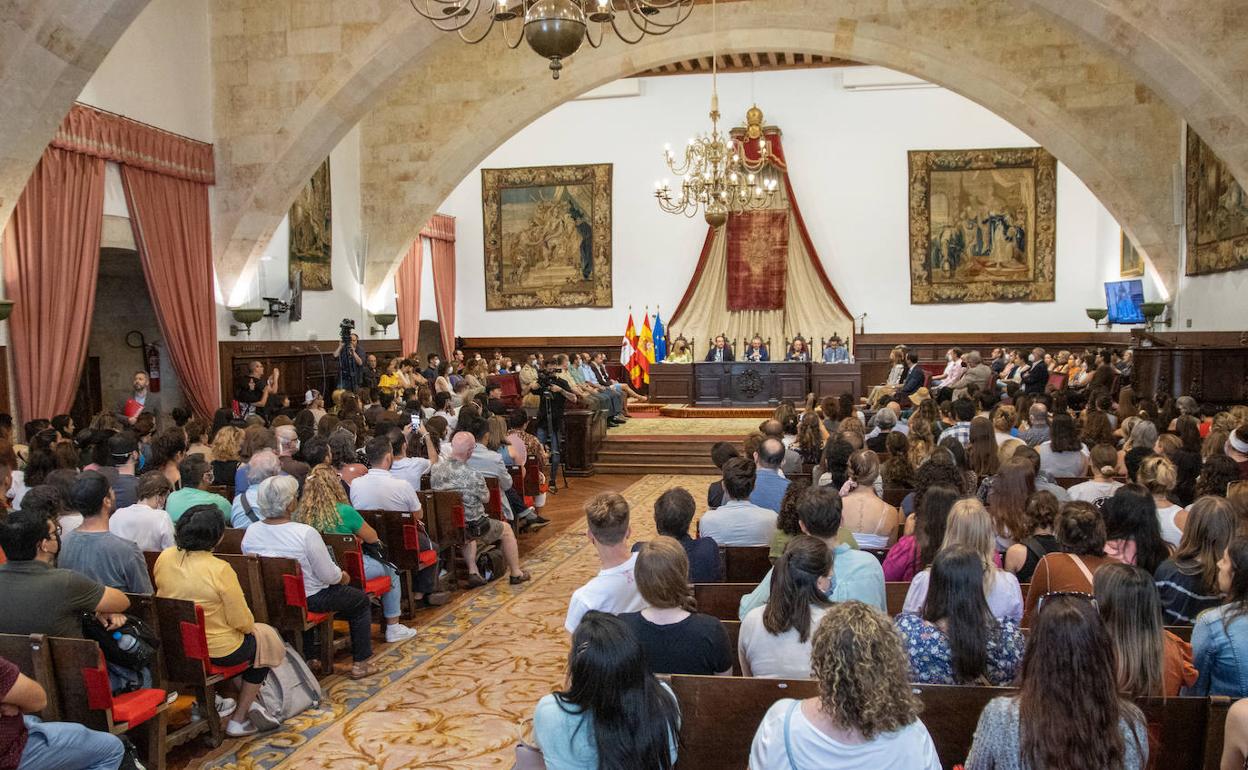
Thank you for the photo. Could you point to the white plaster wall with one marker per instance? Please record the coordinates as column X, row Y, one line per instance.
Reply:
column 847, row 152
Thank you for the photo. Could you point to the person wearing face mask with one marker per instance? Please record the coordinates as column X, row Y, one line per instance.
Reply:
column 953, row 369
column 1036, row 375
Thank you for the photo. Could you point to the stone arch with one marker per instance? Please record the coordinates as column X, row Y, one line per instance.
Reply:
column 48, row 51
column 1022, row 65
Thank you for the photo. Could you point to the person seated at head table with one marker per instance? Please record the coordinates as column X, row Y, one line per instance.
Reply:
column 680, row 353
column 720, row 351
column 798, row 351
column 834, row 352
column 757, row 351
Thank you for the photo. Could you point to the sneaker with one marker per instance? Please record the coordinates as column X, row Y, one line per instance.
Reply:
column 538, row 523
column 397, row 632
column 225, row 706
column 262, row 719
column 528, row 513
column 171, row 697
column 240, row 729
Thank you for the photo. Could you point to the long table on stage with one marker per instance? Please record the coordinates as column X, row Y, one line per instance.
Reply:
column 747, row 383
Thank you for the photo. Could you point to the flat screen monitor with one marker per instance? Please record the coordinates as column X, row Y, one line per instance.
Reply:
column 1125, row 300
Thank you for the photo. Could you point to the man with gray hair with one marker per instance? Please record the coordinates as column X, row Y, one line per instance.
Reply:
column 976, row 373
column 287, row 445
column 262, row 465
column 1037, row 425
column 885, row 421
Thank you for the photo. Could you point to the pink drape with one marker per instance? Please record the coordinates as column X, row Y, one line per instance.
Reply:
column 407, row 287
column 51, row 262
column 440, row 231
column 169, row 217
column 92, row 131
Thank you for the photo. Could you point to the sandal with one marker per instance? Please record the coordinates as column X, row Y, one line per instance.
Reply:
column 362, row 670
column 516, row 580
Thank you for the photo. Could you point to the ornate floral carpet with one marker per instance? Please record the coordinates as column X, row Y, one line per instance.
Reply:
column 462, row 693
column 700, row 427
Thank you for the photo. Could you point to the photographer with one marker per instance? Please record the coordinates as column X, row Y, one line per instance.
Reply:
column 253, row 390
column 350, row 357
column 554, row 392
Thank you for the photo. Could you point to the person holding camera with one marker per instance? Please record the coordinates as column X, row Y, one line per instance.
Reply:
column 350, row 357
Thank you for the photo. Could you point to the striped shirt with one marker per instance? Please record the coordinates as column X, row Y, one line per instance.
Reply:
column 1183, row 596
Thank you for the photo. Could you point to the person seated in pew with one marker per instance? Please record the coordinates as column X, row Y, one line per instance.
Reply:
column 791, row 465
column 720, row 350
column 1062, row 710
column 1037, row 539
column 379, row 489
column 1132, row 533
column 454, row 474
column 1235, row 742
column 1150, row 660
column 769, row 482
column 856, row 575
column 29, row 743
column 798, row 350
column 896, row 376
column 1103, row 461
column 489, row 462
column 262, row 465
column 1063, row 454
column 775, row 638
column 1187, row 582
column 835, row 351
column 970, row 527
column 675, row 637
column 866, row 716
column 37, row 598
column 323, row 506
column 414, row 454
column 955, row 639
column 614, row 588
column 612, row 707
column 145, row 523
column 788, row 526
column 1220, row 635
column 756, row 351
column 873, row 521
column 1081, row 532
column 324, row 583
column 914, row 552
column 95, row 552
column 196, row 474
column 738, row 521
column 673, row 513
column 189, row 571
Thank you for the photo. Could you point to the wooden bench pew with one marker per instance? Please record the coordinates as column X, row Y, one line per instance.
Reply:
column 721, row 600
column 745, row 563
column 347, row 554
column 184, row 649
column 287, row 604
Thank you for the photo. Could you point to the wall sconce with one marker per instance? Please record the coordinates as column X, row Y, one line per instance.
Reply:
column 1151, row 311
column 6, row 309
column 384, row 319
column 246, row 316
column 1097, row 314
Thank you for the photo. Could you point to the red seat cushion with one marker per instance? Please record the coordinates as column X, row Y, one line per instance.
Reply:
column 228, row 672
column 317, row 617
column 135, row 708
column 377, row 586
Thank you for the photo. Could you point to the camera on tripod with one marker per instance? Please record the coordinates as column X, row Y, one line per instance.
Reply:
column 345, row 329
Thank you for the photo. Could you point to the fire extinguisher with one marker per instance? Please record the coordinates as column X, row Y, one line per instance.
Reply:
column 151, row 359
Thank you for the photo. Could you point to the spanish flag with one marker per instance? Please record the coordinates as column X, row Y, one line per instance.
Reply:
column 645, row 352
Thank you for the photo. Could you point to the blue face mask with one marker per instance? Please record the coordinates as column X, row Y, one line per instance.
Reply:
column 138, row 469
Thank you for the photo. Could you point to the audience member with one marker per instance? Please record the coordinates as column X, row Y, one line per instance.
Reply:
column 769, row 482
column 1132, row 535
column 145, row 523
column 263, row 464
column 872, row 521
column 1063, row 454
column 1007, row 497
column 1068, row 704
column 1216, row 476
column 196, row 474
column 673, row 513
column 674, row 637
column 721, row 452
column 92, row 550
column 791, row 465
column 225, row 458
column 866, row 714
column 775, row 639
column 1159, row 476
column 1150, row 660
column 738, row 521
column 1220, row 635
column 1081, row 533
column 955, row 639
column 1038, row 539
column 1037, row 426
column 614, row 712
column 963, row 413
column 1102, row 461
column 123, row 457
column 1043, row 480
column 914, row 552
column 614, row 588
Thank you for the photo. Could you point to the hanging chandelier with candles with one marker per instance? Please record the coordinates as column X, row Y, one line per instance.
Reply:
column 720, row 174
column 554, row 29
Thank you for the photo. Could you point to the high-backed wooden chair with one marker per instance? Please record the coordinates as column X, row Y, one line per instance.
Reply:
column 287, row 603
column 444, row 512
column 348, row 556
column 184, row 648
column 250, row 578
column 400, row 531
column 231, row 541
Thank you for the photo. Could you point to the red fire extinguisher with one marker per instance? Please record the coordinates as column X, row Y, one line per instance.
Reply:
column 153, row 368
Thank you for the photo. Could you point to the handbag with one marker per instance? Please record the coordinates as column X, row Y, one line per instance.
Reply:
column 528, row 758
column 377, row 552
column 135, row 656
column 477, row 527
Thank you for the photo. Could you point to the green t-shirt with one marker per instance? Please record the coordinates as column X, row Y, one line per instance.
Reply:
column 188, row 497
column 351, row 521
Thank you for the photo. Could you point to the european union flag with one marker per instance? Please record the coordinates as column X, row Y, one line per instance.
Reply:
column 660, row 339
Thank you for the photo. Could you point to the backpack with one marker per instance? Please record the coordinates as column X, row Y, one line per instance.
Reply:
column 289, row 690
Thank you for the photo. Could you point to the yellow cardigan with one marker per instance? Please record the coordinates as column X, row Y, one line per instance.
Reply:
column 200, row 577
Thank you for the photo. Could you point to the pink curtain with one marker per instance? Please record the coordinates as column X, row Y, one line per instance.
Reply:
column 51, row 262
column 169, row 217
column 441, row 234
column 407, row 287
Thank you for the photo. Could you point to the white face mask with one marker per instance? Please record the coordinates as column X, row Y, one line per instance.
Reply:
column 1032, row 358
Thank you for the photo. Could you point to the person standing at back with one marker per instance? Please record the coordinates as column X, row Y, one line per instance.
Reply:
column 614, row 588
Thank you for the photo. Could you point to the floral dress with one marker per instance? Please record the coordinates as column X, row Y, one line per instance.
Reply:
column 931, row 659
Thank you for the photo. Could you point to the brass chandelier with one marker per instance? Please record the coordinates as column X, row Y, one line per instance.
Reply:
column 718, row 176
column 554, row 29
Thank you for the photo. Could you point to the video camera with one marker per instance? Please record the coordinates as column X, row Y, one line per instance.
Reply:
column 345, row 329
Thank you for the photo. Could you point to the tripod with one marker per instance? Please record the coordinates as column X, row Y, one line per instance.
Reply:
column 548, row 407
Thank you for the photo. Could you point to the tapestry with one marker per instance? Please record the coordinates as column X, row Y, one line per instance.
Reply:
column 1217, row 213
column 983, row 225
column 311, row 243
column 1130, row 261
column 758, row 253
column 547, row 236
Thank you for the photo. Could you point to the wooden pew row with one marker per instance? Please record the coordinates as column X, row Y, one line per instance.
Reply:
column 744, row 563
column 719, row 716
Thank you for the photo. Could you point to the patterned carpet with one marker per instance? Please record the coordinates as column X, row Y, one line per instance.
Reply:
column 463, row 692
column 674, row 426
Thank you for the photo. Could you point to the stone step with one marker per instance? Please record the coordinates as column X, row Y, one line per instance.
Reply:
column 644, row 458
column 618, row 468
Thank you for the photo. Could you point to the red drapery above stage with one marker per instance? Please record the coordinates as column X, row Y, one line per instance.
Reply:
column 758, row 250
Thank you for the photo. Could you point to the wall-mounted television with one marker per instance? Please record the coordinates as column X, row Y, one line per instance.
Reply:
column 1125, row 300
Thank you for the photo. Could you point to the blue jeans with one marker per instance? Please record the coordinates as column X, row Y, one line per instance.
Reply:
column 391, row 601
column 68, row 746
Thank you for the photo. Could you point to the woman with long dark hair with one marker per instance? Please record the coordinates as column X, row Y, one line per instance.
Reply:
column 914, row 553
column 614, row 714
column 1068, row 714
column 983, row 453
column 1220, row 636
column 1006, row 500
column 1132, row 533
column 897, row 472
column 956, row 639
column 1186, row 464
column 1063, row 454
column 1216, row 476
column 775, row 638
column 1187, row 582
column 1150, row 660
column 809, row 443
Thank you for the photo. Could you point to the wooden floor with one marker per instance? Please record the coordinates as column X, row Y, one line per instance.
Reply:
column 564, row 509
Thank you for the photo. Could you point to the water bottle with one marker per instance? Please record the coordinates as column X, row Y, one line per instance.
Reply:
column 125, row 641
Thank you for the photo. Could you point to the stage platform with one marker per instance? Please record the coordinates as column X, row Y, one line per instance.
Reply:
column 674, row 439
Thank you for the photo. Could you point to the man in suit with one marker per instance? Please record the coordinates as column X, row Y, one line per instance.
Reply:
column 141, row 399
column 757, row 351
column 914, row 377
column 1037, row 374
column 976, row 373
column 719, row 351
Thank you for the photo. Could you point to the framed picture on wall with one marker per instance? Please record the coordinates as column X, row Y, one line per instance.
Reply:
column 983, row 225
column 547, row 236
column 1130, row 260
column 311, row 231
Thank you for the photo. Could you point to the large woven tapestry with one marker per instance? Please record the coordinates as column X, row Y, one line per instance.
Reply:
column 547, row 236
column 311, row 230
column 758, row 253
column 1217, row 213
column 983, row 225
